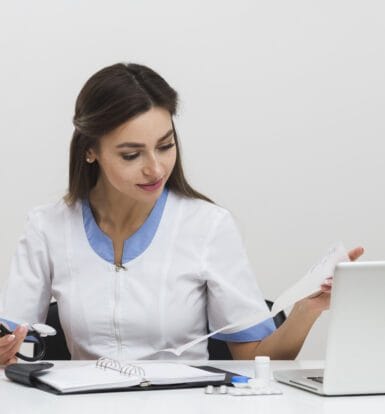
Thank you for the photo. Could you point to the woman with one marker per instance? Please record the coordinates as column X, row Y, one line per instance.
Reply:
column 137, row 260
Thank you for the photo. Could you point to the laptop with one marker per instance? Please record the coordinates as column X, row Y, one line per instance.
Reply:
column 355, row 353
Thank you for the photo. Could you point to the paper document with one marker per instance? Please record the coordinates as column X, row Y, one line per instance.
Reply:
column 313, row 279
column 310, row 283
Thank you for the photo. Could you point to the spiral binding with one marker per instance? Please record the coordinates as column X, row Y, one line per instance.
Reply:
column 104, row 362
column 128, row 369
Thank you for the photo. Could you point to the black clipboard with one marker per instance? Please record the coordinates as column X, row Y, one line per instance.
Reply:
column 28, row 375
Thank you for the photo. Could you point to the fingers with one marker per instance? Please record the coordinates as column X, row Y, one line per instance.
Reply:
column 315, row 295
column 6, row 342
column 10, row 344
column 11, row 361
column 356, row 253
column 326, row 288
column 353, row 255
column 20, row 333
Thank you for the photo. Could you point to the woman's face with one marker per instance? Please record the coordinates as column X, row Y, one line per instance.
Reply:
column 137, row 158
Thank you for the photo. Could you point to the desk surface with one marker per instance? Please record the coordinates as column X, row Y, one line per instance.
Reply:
column 16, row 398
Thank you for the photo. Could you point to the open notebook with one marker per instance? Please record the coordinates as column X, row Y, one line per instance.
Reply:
column 109, row 374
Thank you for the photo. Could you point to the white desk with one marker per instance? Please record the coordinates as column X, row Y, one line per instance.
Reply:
column 16, row 398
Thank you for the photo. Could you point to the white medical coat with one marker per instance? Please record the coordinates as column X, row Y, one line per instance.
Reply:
column 194, row 274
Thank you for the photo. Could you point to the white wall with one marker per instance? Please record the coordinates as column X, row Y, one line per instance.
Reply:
column 281, row 117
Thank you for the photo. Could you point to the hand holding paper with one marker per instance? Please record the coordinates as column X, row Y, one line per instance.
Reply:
column 313, row 279
column 320, row 301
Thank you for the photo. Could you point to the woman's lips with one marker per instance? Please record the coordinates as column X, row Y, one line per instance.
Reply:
column 151, row 187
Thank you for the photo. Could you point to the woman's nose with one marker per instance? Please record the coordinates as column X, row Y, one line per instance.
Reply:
column 152, row 167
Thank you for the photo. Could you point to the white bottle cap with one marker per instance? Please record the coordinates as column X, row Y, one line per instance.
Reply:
column 262, row 359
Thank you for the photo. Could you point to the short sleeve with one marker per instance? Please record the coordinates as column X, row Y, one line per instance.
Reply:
column 27, row 291
column 232, row 289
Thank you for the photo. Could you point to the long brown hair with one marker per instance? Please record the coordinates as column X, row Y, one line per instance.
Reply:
column 109, row 98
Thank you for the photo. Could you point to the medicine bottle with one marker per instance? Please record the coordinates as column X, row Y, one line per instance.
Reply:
column 262, row 370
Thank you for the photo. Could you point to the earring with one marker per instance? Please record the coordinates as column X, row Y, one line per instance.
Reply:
column 89, row 160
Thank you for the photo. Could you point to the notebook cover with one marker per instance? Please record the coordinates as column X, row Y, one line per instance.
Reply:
column 25, row 373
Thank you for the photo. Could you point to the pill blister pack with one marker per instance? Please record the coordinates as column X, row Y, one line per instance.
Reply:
column 254, row 391
column 246, row 386
column 238, row 392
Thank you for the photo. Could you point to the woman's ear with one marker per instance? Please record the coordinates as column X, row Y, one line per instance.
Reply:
column 90, row 156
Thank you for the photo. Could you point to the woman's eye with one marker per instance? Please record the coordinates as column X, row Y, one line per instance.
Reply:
column 129, row 157
column 166, row 147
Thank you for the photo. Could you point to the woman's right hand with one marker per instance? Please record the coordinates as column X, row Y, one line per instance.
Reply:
column 10, row 345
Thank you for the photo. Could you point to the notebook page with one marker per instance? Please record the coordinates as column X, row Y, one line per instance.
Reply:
column 172, row 373
column 89, row 377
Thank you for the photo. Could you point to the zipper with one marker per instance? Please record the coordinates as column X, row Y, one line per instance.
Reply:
column 117, row 269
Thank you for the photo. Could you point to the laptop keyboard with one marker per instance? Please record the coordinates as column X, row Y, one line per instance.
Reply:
column 317, row 379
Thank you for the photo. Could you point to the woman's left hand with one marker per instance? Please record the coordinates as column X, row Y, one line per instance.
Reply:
column 320, row 301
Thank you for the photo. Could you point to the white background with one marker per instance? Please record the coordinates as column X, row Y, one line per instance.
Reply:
column 281, row 117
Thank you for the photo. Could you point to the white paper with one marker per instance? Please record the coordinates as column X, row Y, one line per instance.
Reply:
column 89, row 377
column 254, row 320
column 306, row 286
column 313, row 279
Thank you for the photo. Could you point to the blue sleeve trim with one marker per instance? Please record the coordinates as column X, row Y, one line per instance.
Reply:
column 13, row 325
column 255, row 333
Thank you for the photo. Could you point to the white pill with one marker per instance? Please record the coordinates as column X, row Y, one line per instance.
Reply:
column 209, row 389
column 223, row 389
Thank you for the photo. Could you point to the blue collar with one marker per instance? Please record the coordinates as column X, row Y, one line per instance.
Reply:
column 135, row 245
